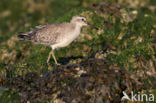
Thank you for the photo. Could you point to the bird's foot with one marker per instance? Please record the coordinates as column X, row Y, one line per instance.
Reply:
column 58, row 64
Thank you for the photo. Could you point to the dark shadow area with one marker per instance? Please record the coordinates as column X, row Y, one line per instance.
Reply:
column 65, row 60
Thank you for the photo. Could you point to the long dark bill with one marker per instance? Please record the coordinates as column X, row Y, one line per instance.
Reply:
column 92, row 26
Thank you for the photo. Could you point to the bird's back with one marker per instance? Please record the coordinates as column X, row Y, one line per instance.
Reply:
column 48, row 34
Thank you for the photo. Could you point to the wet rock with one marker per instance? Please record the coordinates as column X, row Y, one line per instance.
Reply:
column 90, row 81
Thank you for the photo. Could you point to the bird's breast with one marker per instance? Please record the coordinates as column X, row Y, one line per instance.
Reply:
column 68, row 38
column 73, row 35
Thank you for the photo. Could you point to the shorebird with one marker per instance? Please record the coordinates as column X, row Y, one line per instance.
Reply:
column 56, row 35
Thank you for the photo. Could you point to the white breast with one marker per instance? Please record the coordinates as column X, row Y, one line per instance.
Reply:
column 68, row 38
column 72, row 35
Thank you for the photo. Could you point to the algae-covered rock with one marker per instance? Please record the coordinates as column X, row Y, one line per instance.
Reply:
column 91, row 81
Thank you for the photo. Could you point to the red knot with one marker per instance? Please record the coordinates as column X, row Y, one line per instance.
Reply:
column 56, row 35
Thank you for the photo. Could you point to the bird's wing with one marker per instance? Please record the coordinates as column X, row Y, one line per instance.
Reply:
column 31, row 35
column 49, row 34
column 42, row 34
column 33, row 30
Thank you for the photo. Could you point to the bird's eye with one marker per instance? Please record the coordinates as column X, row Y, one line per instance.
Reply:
column 83, row 19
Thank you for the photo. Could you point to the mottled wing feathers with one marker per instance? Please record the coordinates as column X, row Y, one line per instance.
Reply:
column 42, row 34
column 31, row 35
column 48, row 34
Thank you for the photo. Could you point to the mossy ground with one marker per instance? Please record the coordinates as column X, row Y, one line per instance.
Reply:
column 125, row 36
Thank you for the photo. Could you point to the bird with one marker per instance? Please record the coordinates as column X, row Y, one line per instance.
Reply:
column 56, row 35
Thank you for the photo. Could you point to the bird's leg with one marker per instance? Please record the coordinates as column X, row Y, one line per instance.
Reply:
column 49, row 57
column 52, row 53
column 54, row 57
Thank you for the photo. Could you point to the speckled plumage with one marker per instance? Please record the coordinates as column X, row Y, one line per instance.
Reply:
column 51, row 34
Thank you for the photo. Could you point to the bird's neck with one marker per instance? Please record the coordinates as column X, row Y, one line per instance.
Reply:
column 77, row 25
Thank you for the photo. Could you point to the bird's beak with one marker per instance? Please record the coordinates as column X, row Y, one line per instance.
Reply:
column 92, row 26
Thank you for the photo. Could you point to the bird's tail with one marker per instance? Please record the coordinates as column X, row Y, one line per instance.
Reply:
column 27, row 35
column 31, row 34
column 24, row 37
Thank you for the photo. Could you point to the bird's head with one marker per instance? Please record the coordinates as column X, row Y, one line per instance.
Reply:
column 81, row 21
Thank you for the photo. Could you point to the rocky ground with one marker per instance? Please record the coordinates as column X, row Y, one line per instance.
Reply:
column 91, row 81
